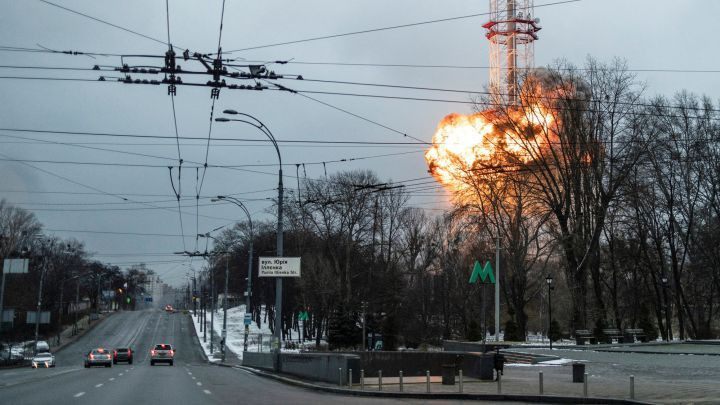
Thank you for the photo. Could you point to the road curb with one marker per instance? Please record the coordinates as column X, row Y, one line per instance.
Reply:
column 554, row 399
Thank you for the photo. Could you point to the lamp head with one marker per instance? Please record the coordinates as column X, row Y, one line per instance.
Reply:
column 222, row 119
column 231, row 112
column 549, row 280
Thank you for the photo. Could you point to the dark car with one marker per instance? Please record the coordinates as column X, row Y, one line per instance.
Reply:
column 98, row 357
column 122, row 354
column 162, row 353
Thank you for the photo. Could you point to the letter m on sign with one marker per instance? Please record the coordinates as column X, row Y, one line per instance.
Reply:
column 485, row 274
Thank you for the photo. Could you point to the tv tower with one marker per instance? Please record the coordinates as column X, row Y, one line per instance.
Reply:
column 512, row 31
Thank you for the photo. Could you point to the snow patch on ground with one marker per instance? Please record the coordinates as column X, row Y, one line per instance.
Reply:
column 558, row 362
column 258, row 336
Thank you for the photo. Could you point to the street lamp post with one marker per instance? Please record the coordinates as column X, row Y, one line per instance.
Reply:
column 248, row 293
column 278, row 281
column 665, row 286
column 549, row 281
column 39, row 299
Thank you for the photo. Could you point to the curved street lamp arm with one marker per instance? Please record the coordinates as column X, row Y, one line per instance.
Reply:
column 243, row 207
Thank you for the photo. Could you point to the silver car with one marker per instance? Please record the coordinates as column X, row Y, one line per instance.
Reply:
column 162, row 353
column 98, row 357
column 45, row 359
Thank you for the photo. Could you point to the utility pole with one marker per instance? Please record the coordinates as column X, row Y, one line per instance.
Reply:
column 364, row 305
column 77, row 306
column 497, row 286
column 212, row 309
column 225, row 303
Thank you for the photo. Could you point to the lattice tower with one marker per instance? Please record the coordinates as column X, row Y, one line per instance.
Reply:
column 512, row 31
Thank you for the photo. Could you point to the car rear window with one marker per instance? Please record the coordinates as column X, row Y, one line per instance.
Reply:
column 163, row 347
column 122, row 350
column 99, row 351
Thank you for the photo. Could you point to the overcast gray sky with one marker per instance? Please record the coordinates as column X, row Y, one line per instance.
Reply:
column 673, row 35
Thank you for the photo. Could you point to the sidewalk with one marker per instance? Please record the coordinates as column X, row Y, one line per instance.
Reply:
column 67, row 337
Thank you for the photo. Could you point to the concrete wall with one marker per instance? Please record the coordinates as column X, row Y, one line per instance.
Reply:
column 414, row 363
column 259, row 360
column 321, row 366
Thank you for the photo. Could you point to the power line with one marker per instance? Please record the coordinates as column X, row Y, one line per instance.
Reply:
column 394, row 27
column 104, row 22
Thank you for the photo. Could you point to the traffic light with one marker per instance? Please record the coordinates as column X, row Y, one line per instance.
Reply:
column 127, row 299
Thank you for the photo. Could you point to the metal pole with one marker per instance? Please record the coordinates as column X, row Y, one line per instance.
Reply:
column 39, row 303
column 550, row 313
column 499, row 384
column 2, row 296
column 401, row 381
column 461, row 381
column 632, row 387
column 249, row 285
column 379, row 380
column 278, row 282
column 497, row 287
column 364, row 333
column 212, row 310
column 225, row 302
column 482, row 315
column 204, row 310
column 540, row 377
column 427, row 380
column 585, row 385
column 62, row 291
column 362, row 379
column 77, row 306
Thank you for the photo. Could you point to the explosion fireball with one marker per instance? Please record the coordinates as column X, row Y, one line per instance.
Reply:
column 464, row 144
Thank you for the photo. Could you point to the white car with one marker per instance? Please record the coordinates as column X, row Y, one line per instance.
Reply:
column 45, row 360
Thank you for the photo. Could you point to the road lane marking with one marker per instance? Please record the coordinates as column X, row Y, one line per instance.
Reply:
column 120, row 375
column 98, row 385
column 207, row 392
column 79, row 394
column 193, row 378
column 199, row 384
column 111, row 378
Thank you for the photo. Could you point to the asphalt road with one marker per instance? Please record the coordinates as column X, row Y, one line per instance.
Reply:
column 190, row 381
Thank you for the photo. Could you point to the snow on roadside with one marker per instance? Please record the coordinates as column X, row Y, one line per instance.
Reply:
column 258, row 335
column 558, row 362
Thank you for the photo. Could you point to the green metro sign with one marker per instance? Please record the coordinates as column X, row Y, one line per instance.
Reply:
column 483, row 273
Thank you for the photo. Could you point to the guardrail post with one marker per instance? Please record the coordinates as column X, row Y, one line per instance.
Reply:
column 401, row 381
column 632, row 387
column 461, row 381
column 350, row 379
column 585, row 385
column 379, row 380
column 427, row 380
column 541, row 383
column 362, row 379
column 499, row 383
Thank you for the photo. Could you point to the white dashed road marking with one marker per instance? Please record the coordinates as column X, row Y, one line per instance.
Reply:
column 111, row 378
column 120, row 375
column 199, row 384
column 206, row 391
column 98, row 385
column 79, row 394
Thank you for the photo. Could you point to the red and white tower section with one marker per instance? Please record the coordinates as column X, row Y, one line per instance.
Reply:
column 512, row 31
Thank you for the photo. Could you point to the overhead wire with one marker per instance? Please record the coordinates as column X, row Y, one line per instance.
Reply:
column 394, row 27
column 103, row 21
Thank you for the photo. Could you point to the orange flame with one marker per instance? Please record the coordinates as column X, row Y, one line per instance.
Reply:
column 466, row 146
